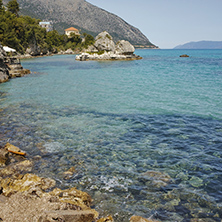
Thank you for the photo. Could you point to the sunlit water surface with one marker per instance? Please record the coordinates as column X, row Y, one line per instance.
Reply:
column 117, row 122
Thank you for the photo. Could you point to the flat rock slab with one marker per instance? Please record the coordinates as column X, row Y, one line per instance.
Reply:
column 68, row 216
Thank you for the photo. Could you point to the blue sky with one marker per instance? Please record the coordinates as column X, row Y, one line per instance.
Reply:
column 168, row 23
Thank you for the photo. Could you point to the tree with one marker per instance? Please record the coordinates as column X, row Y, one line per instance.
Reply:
column 13, row 7
column 89, row 39
column 2, row 8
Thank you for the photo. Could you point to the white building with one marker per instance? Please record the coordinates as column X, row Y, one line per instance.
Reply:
column 71, row 30
column 47, row 25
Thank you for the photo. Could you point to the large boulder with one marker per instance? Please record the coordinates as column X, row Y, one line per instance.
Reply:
column 4, row 75
column 124, row 48
column 104, row 42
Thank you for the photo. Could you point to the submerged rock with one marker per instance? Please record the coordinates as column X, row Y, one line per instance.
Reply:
column 195, row 181
column 156, row 178
column 201, row 220
column 69, row 173
column 141, row 219
column 106, row 219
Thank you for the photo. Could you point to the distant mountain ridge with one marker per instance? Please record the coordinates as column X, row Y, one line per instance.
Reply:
column 201, row 45
column 84, row 16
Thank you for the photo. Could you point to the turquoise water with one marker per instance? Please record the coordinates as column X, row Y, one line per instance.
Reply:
column 144, row 137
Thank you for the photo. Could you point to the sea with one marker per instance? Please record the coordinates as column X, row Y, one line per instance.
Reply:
column 142, row 137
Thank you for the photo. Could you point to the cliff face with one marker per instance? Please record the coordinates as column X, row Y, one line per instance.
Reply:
column 84, row 16
column 4, row 74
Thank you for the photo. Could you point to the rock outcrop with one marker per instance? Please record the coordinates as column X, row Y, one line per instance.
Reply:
column 4, row 74
column 10, row 67
column 104, row 48
column 15, row 68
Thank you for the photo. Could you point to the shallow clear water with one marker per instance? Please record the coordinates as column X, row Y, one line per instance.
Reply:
column 117, row 122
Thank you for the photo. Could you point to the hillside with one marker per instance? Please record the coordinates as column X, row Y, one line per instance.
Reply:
column 84, row 16
column 201, row 45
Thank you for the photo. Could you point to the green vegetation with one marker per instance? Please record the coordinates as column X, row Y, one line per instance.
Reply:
column 13, row 7
column 19, row 32
column 108, row 36
column 98, row 53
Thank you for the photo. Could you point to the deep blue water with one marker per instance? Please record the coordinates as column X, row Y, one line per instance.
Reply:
column 116, row 122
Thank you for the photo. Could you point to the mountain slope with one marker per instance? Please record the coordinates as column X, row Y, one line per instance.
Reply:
column 85, row 16
column 201, row 45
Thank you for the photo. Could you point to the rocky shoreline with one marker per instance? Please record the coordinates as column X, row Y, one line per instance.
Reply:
column 27, row 197
column 10, row 67
column 104, row 48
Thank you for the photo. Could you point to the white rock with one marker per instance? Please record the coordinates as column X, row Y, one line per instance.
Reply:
column 124, row 48
column 104, row 42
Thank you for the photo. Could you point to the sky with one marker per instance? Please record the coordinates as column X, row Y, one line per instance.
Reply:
column 168, row 23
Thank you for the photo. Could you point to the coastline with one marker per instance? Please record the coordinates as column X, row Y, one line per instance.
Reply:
column 15, row 82
column 10, row 66
column 24, row 195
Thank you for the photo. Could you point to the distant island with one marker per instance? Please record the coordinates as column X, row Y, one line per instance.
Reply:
column 201, row 45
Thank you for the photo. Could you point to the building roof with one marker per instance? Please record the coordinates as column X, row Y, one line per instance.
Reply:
column 71, row 29
column 45, row 23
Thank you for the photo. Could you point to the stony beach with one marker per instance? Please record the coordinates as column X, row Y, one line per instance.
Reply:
column 25, row 196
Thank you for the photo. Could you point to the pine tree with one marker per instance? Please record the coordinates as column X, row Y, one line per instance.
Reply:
column 13, row 7
column 1, row 6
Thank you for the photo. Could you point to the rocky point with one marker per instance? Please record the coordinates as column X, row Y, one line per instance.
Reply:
column 104, row 48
